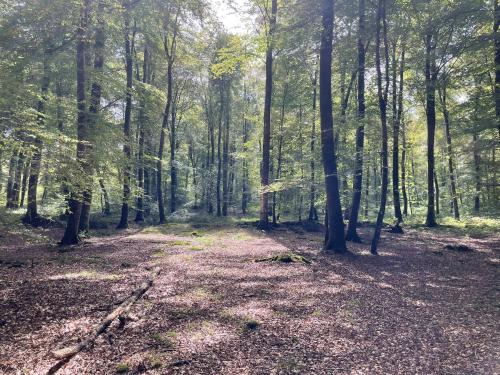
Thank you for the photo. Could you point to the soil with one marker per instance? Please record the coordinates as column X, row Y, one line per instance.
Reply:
column 417, row 308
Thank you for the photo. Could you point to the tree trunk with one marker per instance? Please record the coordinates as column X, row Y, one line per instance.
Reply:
column 107, row 209
column 352, row 234
column 430, row 88
column 94, row 107
column 31, row 216
column 75, row 202
column 313, row 212
column 139, row 216
column 403, row 174
column 436, row 184
column 219, row 151
column 245, row 178
column 225, row 152
column 382, row 96
column 397, row 114
column 24, row 180
column 334, row 238
column 266, row 140
column 453, row 188
column 127, row 152
column 477, row 172
column 159, row 166
column 17, row 185
column 496, row 36
column 12, row 176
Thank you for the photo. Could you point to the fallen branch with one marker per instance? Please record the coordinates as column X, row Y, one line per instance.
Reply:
column 65, row 354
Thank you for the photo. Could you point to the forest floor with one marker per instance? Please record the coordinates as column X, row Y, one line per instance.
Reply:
column 418, row 308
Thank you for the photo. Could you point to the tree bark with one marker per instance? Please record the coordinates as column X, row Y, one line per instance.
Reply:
column 334, row 237
column 382, row 96
column 430, row 89
column 451, row 171
column 225, row 150
column 31, row 217
column 352, row 234
column 313, row 212
column 266, row 140
column 127, row 152
column 94, row 108
column 403, row 173
column 397, row 114
column 71, row 235
column 496, row 36
column 12, row 176
column 139, row 216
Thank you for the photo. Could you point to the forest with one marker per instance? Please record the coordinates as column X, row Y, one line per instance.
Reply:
column 249, row 186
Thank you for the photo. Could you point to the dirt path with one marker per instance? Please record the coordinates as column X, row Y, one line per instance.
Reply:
column 415, row 309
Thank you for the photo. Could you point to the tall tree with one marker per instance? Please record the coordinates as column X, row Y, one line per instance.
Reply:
column 169, row 46
column 334, row 238
column 266, row 140
column 127, row 149
column 382, row 90
column 94, row 105
column 71, row 234
column 431, row 73
column 31, row 216
column 352, row 234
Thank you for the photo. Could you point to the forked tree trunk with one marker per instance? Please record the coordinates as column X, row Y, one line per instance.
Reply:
column 334, row 236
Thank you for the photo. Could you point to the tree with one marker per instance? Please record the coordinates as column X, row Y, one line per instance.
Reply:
column 71, row 235
column 382, row 91
column 266, row 140
column 334, row 238
column 352, row 234
column 127, row 150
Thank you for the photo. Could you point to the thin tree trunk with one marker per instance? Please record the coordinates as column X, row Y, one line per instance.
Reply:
column 219, row 151
column 266, row 140
column 334, row 237
column 382, row 95
column 24, row 180
column 451, row 172
column 245, row 187
column 436, row 184
column 107, row 208
column 403, row 173
column 17, row 185
column 477, row 172
column 12, row 176
column 225, row 152
column 352, row 234
column 127, row 152
column 397, row 114
column 139, row 216
column 313, row 212
column 496, row 36
column 430, row 88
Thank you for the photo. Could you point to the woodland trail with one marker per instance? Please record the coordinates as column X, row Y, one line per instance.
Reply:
column 417, row 308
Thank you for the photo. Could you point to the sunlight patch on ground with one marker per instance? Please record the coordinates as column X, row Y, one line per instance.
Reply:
column 87, row 275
